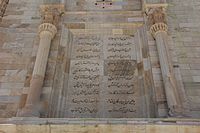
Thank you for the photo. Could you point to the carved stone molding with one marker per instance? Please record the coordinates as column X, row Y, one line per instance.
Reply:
column 158, row 27
column 157, row 20
column 51, row 13
column 156, row 15
column 3, row 6
column 47, row 27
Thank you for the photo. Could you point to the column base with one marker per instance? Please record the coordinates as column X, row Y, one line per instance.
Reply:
column 29, row 111
column 177, row 111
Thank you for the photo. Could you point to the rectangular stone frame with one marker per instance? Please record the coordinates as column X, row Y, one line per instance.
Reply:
column 67, row 32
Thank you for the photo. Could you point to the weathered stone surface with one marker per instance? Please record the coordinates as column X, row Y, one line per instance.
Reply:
column 19, row 45
column 33, row 125
column 103, row 71
column 184, row 29
column 32, row 129
column 92, row 5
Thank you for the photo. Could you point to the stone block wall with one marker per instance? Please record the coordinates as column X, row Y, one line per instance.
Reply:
column 183, row 20
column 18, row 45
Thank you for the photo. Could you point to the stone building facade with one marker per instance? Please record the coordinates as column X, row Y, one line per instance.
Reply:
column 130, row 62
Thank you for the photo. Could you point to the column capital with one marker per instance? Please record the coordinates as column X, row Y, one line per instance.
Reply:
column 47, row 27
column 157, row 19
column 148, row 6
column 3, row 5
column 51, row 13
column 158, row 27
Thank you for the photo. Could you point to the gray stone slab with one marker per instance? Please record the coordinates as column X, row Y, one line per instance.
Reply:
column 103, row 78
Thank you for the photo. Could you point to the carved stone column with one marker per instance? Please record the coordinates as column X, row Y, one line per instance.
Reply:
column 159, row 29
column 47, row 31
column 3, row 6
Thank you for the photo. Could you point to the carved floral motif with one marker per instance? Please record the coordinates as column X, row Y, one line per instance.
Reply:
column 51, row 13
column 157, row 15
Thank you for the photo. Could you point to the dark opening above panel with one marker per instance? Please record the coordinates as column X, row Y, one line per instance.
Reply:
column 103, row 5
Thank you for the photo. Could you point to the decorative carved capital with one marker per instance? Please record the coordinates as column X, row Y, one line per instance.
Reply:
column 156, row 15
column 48, row 27
column 3, row 5
column 51, row 13
column 157, row 20
column 158, row 27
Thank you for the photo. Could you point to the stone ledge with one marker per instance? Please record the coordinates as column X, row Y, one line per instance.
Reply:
column 65, row 125
column 96, row 121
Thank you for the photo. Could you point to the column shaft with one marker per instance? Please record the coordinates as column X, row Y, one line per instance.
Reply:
column 42, row 54
column 32, row 107
column 159, row 29
column 39, row 68
column 167, row 72
column 50, row 15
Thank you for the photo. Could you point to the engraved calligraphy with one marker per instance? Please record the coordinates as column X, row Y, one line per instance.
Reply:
column 103, row 77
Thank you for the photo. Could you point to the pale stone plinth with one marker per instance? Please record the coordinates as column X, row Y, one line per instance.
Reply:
column 98, row 128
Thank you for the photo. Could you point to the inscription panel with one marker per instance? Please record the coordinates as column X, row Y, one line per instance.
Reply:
column 103, row 79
